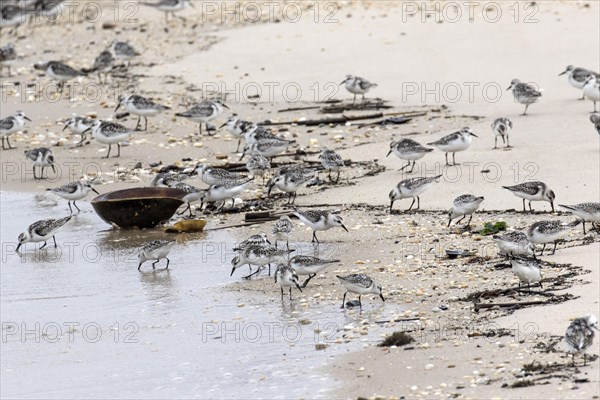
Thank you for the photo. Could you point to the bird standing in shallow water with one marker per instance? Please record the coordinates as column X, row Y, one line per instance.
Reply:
column 286, row 277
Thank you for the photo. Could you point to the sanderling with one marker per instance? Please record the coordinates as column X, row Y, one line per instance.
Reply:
column 155, row 250
column 168, row 179
column 203, row 112
column 288, row 183
column 170, row 7
column 259, row 256
column 591, row 89
column 212, row 176
column 527, row 270
column 73, row 191
column 544, row 232
column 8, row 55
column 514, row 244
column 359, row 284
column 577, row 76
column 11, row 15
column 224, row 191
column 588, row 212
column 357, row 85
column 254, row 133
column 267, row 147
column 533, row 191
column 110, row 133
column 595, row 119
column 580, row 335
column 258, row 166
column 464, row 205
column 260, row 239
column 286, row 277
column 192, row 194
column 237, row 128
column 41, row 231
column 140, row 106
column 524, row 93
column 309, row 266
column 501, row 127
column 319, row 220
column 411, row 187
column 457, row 141
column 283, row 230
column 79, row 125
column 10, row 125
column 123, row 51
column 59, row 71
column 331, row 161
column 42, row 157
column 410, row 150
column 103, row 64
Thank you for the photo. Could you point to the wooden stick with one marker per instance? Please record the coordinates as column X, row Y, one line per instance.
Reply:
column 299, row 108
column 479, row 306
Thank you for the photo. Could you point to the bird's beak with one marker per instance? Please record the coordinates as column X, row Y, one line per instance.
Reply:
column 95, row 191
column 66, row 126
column 87, row 130
column 269, row 191
column 342, row 82
column 344, row 226
column 222, row 125
column 232, row 271
column 225, row 105
column 552, row 205
column 18, row 247
column 391, row 205
column 596, row 328
column 381, row 295
column 243, row 154
column 508, row 88
column 449, row 221
column 268, row 241
column 27, row 118
column 389, row 152
column 562, row 73
column 472, row 134
column 117, row 107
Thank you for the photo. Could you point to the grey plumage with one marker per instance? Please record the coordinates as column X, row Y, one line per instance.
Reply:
column 580, row 335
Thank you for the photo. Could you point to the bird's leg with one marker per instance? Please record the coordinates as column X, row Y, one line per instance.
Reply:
column 139, row 266
column 188, row 206
column 44, row 245
column 54, row 238
column 118, row 149
column 108, row 154
column 583, row 227
column 449, row 221
column 458, row 222
column 530, row 208
column 34, row 177
column 154, row 264
column 453, row 160
column 290, row 293
column 190, row 209
column 418, row 203
column 555, row 244
column 269, row 269
column 543, row 248
column 337, row 179
column 526, row 107
column 7, row 141
column 70, row 209
column 507, row 141
column 447, row 164
column 281, row 293
column 496, row 142
column 287, row 243
column 137, row 126
column 76, row 206
column 411, row 204
column 275, row 243
column 413, row 166
column 344, row 300
column 168, row 261
column 145, row 123
column 407, row 165
column 3, row 148
column 308, row 280
column 503, row 139
column 470, row 218
column 359, row 302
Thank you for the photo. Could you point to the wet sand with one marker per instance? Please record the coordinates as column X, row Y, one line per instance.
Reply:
column 403, row 251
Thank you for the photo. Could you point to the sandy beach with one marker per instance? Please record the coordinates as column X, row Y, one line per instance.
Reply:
column 442, row 69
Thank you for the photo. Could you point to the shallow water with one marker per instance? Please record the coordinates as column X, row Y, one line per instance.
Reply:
column 80, row 320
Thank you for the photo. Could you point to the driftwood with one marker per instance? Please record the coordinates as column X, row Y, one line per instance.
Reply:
column 299, row 108
column 337, row 109
column 398, row 320
column 325, row 121
column 479, row 306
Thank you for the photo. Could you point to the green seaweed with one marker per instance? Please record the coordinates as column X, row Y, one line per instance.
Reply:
column 493, row 228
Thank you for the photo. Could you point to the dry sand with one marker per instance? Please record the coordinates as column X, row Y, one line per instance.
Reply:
column 374, row 41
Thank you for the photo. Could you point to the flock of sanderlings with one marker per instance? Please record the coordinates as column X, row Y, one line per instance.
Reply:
column 261, row 145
